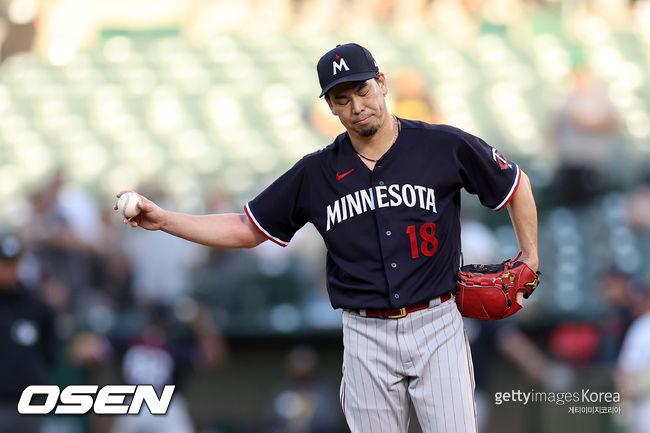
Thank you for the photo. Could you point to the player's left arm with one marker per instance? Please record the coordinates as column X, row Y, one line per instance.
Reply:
column 523, row 214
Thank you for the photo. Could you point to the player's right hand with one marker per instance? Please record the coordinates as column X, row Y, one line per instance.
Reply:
column 151, row 216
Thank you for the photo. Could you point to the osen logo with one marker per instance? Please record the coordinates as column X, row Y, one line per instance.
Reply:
column 80, row 399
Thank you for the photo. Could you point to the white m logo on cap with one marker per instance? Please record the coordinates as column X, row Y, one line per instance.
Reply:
column 339, row 66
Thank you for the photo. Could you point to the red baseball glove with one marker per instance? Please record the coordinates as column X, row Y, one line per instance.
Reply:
column 489, row 292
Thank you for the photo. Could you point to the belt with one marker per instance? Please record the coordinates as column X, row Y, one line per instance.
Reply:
column 398, row 313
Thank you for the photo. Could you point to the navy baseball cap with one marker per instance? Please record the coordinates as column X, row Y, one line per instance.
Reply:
column 345, row 63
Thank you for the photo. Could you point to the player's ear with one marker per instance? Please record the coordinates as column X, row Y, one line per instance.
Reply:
column 381, row 81
column 329, row 104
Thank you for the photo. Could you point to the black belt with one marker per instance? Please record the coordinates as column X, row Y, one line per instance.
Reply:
column 397, row 313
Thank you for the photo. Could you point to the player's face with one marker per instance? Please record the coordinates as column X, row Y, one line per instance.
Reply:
column 360, row 106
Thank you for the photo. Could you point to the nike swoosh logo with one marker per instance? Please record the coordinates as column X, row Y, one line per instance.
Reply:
column 341, row 176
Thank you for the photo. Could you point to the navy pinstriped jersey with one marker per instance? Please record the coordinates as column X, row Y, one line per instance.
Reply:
column 393, row 233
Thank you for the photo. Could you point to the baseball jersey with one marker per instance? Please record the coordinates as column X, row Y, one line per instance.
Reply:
column 393, row 233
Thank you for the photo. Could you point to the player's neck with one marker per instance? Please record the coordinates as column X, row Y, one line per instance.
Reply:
column 371, row 149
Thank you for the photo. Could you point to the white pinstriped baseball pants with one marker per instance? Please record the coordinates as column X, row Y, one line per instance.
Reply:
column 423, row 357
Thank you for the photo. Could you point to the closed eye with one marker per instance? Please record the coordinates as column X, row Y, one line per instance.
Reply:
column 363, row 87
column 361, row 90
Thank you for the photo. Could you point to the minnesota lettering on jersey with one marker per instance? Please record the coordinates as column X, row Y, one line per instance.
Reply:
column 365, row 200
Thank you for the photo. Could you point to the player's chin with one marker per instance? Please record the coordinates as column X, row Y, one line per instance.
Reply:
column 368, row 126
column 366, row 129
column 369, row 131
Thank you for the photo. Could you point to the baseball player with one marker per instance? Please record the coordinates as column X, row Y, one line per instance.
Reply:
column 385, row 196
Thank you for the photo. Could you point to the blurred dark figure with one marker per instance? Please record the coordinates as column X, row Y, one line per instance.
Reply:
column 114, row 269
column 599, row 342
column 61, row 233
column 307, row 403
column 637, row 207
column 618, row 291
column 20, row 19
column 27, row 341
column 161, row 350
column 585, row 136
column 76, row 252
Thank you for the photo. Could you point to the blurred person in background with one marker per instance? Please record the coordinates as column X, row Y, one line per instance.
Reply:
column 638, row 207
column 163, row 265
column 596, row 343
column 305, row 403
column 61, row 213
column 323, row 122
column 585, row 136
column 228, row 265
column 620, row 294
column 162, row 350
column 411, row 98
column 637, row 210
column 62, row 232
column 633, row 370
column 18, row 25
column 27, row 341
column 114, row 269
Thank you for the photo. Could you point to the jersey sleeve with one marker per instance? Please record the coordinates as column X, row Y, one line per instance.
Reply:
column 486, row 172
column 276, row 211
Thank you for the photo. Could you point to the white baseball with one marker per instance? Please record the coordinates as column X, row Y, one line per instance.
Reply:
column 128, row 204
